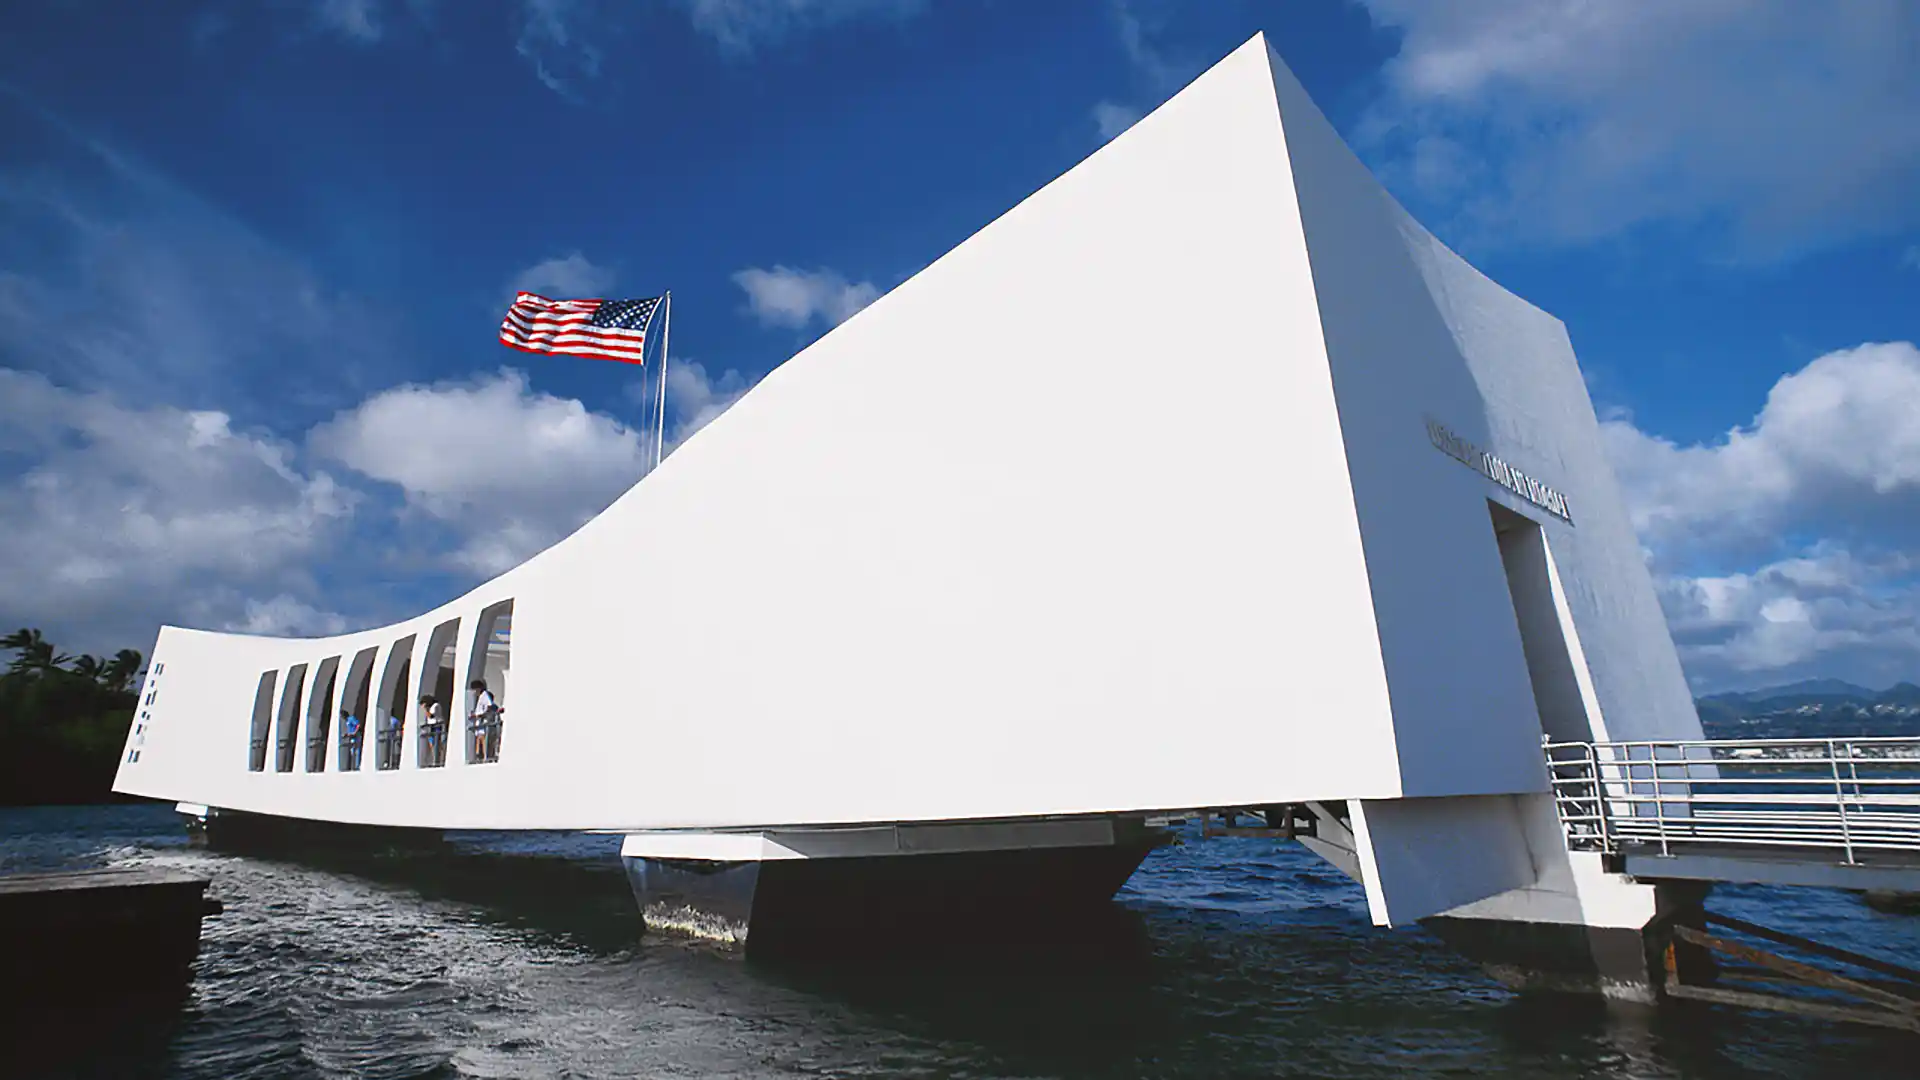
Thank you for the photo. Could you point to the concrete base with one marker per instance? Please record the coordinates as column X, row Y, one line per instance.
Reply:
column 1617, row 963
column 787, row 902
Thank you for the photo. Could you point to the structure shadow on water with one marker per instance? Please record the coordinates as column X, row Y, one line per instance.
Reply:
column 561, row 886
column 131, row 1037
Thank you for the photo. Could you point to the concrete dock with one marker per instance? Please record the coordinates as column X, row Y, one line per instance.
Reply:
column 95, row 935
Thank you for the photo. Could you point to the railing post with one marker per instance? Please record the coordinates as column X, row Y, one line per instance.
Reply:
column 1840, row 800
column 1600, row 799
column 1659, row 803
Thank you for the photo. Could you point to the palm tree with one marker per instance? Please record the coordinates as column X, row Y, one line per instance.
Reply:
column 122, row 670
column 36, row 653
column 88, row 667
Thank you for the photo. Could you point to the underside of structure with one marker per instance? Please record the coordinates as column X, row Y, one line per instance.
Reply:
column 925, row 613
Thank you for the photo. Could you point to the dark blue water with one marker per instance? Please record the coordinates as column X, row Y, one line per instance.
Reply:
column 522, row 957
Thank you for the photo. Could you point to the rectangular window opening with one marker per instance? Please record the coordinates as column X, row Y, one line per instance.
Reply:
column 486, row 691
column 289, row 726
column 320, row 714
column 356, row 695
column 1556, row 686
column 437, row 697
column 262, row 722
column 391, row 710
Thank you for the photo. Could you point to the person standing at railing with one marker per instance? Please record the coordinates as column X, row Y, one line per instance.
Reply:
column 481, row 720
column 390, row 739
column 433, row 724
column 349, row 741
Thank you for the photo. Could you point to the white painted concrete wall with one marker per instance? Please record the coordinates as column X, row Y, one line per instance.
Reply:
column 1126, row 503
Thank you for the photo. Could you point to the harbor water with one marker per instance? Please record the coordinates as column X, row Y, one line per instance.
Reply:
column 522, row 956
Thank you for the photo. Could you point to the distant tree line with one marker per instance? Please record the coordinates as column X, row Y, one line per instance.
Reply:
column 63, row 720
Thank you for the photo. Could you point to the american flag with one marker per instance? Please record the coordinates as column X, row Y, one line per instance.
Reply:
column 607, row 329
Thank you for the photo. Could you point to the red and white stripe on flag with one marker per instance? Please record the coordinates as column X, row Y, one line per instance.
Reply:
column 604, row 329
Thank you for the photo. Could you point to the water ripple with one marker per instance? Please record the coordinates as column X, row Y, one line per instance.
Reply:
column 521, row 956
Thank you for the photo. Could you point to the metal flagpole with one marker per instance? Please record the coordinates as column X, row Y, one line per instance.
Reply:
column 660, row 397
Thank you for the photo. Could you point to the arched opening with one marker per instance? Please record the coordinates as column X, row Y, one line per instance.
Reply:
column 320, row 714
column 289, row 728
column 262, row 722
column 355, row 695
column 436, row 680
column 392, row 705
column 488, row 662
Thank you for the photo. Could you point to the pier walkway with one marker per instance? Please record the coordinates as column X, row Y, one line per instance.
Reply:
column 1843, row 813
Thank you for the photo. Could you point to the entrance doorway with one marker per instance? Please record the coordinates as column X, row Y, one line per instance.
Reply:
column 1543, row 635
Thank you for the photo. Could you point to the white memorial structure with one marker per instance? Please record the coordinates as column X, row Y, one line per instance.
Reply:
column 1203, row 477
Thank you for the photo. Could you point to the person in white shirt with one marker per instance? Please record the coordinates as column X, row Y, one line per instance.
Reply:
column 481, row 719
column 433, row 727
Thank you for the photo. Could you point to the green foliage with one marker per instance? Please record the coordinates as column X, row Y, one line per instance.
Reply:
column 63, row 720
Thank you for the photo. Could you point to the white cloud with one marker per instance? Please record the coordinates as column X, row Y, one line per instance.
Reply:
column 284, row 616
column 1837, row 443
column 1112, row 119
column 121, row 517
column 1789, row 124
column 158, row 295
column 567, row 276
column 556, row 39
column 1158, row 73
column 1825, row 612
column 356, row 19
column 511, row 468
column 741, row 25
column 792, row 298
column 1820, row 492
column 696, row 398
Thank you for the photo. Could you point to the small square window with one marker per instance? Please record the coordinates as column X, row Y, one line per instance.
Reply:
column 158, row 668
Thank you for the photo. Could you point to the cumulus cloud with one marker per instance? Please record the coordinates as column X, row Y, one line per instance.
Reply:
column 511, row 468
column 1789, row 124
column 1112, row 119
column 1820, row 492
column 572, row 275
column 1837, row 442
column 1823, row 612
column 119, row 517
column 355, row 19
column 157, row 294
column 739, row 26
column 284, row 616
column 556, row 37
column 565, row 40
column 1157, row 72
column 696, row 397
column 790, row 298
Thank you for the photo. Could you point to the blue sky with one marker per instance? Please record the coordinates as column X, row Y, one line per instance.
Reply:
column 253, row 256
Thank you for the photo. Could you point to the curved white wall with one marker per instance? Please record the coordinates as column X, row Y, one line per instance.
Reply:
column 1125, row 503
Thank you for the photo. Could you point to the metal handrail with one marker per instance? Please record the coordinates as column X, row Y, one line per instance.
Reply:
column 388, row 745
column 1780, row 794
column 483, row 737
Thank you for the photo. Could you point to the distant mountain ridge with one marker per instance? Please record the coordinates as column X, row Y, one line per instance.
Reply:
column 1805, row 688
column 1814, row 700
